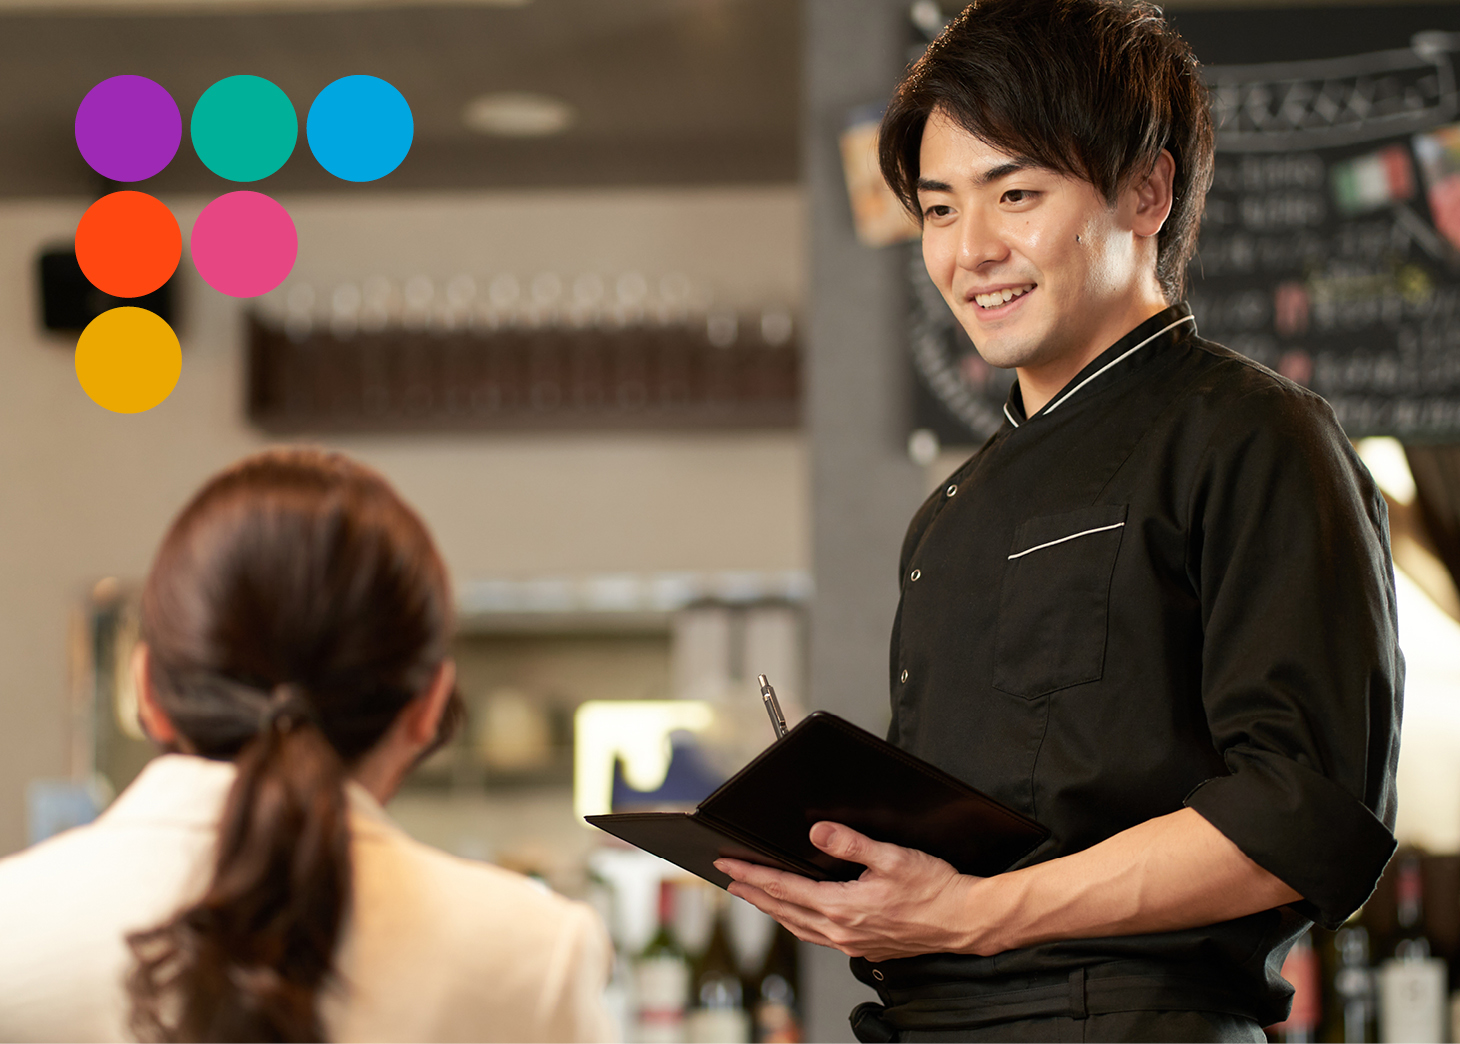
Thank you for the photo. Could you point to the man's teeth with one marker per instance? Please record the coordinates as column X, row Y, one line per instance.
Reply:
column 998, row 297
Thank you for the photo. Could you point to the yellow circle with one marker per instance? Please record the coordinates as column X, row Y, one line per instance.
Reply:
column 128, row 360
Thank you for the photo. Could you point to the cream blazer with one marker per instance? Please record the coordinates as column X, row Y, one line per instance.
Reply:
column 436, row 948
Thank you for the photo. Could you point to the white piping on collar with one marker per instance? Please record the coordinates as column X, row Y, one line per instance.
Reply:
column 1010, row 415
column 1118, row 359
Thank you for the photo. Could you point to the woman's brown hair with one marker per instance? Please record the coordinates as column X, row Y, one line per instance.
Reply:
column 295, row 607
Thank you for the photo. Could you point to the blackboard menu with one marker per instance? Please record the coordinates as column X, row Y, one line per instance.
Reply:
column 1330, row 249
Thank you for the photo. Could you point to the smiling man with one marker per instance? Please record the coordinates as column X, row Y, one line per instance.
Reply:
column 1155, row 611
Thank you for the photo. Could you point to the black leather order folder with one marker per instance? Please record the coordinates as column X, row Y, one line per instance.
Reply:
column 827, row 768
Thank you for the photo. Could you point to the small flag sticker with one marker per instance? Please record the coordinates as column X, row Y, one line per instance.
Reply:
column 1371, row 181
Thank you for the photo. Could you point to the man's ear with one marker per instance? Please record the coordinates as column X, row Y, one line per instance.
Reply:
column 1153, row 197
column 155, row 722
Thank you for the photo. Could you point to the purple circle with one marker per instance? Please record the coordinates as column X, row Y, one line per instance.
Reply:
column 128, row 128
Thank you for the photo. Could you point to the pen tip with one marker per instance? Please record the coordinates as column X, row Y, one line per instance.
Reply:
column 761, row 678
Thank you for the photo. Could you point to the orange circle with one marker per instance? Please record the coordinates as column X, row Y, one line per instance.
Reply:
column 128, row 244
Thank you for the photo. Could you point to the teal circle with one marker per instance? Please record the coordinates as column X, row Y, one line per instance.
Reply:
column 360, row 128
column 244, row 128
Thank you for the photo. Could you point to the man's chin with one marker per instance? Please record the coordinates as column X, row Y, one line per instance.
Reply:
column 1004, row 353
column 1005, row 348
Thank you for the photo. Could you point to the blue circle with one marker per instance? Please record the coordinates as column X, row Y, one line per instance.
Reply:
column 360, row 128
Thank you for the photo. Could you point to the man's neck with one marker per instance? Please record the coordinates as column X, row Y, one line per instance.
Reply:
column 1041, row 383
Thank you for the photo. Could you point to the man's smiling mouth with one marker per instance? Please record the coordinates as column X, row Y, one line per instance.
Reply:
column 996, row 298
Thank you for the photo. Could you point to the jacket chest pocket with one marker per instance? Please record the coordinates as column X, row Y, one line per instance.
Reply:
column 1055, row 600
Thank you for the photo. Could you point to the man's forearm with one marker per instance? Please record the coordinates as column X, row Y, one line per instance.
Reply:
column 1176, row 871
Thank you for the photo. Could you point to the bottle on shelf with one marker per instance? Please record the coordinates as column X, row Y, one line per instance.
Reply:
column 1412, row 982
column 661, row 980
column 1353, row 984
column 776, row 999
column 1301, row 970
column 717, row 1014
column 617, row 995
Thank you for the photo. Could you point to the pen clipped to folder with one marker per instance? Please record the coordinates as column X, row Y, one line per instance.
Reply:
column 772, row 706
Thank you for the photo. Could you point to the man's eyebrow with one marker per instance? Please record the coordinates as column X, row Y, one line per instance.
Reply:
column 1003, row 170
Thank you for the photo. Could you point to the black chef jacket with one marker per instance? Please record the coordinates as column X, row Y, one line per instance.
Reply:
column 1169, row 587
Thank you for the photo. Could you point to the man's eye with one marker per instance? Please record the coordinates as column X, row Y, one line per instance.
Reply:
column 1018, row 196
column 937, row 210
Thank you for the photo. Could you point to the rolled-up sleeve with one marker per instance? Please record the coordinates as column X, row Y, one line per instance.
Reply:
column 1301, row 672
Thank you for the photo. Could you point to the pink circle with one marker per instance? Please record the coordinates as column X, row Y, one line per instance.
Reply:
column 244, row 244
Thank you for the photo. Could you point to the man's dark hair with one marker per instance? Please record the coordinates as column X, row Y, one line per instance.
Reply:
column 1093, row 89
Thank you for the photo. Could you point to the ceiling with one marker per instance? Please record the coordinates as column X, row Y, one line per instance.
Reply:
column 667, row 92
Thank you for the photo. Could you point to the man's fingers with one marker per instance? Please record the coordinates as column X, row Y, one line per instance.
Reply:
column 797, row 919
column 776, row 883
column 846, row 843
column 813, row 910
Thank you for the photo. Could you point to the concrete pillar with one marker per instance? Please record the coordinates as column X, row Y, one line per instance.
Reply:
column 864, row 488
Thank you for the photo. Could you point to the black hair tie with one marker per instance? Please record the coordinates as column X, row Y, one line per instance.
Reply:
column 286, row 708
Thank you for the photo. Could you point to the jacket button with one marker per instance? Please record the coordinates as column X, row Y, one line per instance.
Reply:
column 916, row 573
column 952, row 489
column 904, row 675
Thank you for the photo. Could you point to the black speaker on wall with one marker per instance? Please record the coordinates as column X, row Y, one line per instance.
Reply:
column 69, row 301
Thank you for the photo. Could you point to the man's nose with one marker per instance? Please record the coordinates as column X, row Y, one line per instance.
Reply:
column 979, row 241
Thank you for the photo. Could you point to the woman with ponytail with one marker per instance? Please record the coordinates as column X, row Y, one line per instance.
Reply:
column 248, row 886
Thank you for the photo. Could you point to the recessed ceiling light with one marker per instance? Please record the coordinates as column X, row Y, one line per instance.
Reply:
column 517, row 114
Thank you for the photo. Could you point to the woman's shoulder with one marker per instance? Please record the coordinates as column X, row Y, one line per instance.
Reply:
column 445, row 948
column 480, row 894
column 67, row 903
column 146, row 844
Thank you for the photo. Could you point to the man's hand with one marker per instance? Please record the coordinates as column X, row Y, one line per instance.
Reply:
column 905, row 903
column 1175, row 871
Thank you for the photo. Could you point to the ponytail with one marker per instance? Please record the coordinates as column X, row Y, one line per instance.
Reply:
column 248, row 960
column 301, row 567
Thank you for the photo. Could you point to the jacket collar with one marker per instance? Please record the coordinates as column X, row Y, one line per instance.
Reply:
column 1166, row 327
column 183, row 790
